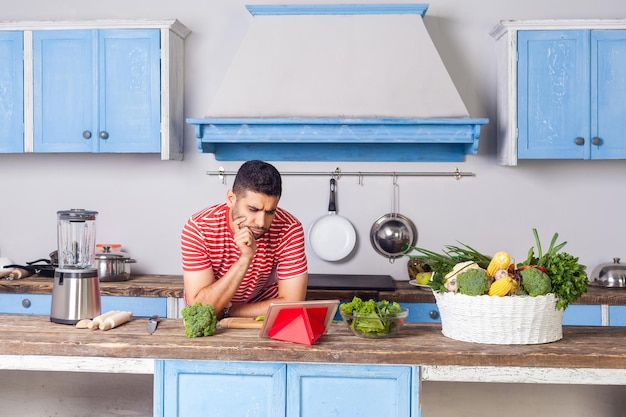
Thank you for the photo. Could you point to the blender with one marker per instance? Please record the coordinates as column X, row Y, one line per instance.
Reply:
column 76, row 288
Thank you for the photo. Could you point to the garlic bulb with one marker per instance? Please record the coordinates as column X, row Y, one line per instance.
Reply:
column 3, row 262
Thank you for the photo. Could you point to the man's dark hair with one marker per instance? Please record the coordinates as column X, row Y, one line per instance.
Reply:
column 259, row 177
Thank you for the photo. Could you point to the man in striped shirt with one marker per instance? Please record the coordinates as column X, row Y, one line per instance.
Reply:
column 243, row 254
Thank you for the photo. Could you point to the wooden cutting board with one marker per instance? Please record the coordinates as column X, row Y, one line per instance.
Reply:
column 240, row 323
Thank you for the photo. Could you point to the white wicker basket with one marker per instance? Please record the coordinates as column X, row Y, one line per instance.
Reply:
column 515, row 320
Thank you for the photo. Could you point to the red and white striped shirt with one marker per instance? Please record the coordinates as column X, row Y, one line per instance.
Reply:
column 208, row 242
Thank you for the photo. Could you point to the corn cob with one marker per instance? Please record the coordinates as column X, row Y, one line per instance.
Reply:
column 500, row 260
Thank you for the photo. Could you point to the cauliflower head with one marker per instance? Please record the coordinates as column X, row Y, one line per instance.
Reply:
column 449, row 281
column 460, row 267
column 535, row 282
column 474, row 281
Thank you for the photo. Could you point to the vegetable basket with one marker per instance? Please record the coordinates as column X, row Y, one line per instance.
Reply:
column 516, row 320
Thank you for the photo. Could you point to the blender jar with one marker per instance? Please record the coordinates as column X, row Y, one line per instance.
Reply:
column 76, row 238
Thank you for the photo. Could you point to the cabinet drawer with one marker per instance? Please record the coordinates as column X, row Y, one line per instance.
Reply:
column 617, row 315
column 418, row 313
column 140, row 306
column 583, row 315
column 422, row 312
column 38, row 304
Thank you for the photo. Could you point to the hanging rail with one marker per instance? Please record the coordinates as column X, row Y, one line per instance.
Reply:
column 338, row 173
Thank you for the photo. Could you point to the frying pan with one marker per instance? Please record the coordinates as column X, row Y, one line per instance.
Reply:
column 332, row 237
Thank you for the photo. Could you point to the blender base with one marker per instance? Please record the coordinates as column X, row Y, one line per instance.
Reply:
column 75, row 295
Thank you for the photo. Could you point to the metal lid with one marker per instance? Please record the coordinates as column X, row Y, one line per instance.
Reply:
column 77, row 215
column 106, row 253
column 609, row 274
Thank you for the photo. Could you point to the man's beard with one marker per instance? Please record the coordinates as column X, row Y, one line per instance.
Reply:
column 258, row 232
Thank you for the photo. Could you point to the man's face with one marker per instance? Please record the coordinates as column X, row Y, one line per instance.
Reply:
column 257, row 209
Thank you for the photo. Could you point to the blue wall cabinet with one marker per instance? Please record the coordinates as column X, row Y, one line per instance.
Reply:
column 11, row 92
column 553, row 94
column 100, row 86
column 196, row 388
column 560, row 89
column 97, row 90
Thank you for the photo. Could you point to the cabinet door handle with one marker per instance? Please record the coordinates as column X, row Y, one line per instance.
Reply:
column 104, row 135
column 579, row 141
column 596, row 141
column 434, row 314
column 26, row 303
column 87, row 134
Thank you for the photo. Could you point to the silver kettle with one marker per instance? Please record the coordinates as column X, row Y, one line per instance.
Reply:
column 609, row 275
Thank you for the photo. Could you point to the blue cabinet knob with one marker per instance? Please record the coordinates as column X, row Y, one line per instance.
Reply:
column 596, row 141
column 26, row 303
column 434, row 314
column 87, row 134
column 579, row 141
column 104, row 135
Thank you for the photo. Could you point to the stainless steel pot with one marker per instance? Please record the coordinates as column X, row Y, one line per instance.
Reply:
column 610, row 274
column 393, row 234
column 113, row 266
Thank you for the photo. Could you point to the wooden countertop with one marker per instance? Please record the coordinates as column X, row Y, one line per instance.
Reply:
column 137, row 285
column 172, row 286
column 414, row 344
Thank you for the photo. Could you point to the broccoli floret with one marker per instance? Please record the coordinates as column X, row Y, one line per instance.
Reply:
column 473, row 282
column 520, row 291
column 535, row 282
column 200, row 320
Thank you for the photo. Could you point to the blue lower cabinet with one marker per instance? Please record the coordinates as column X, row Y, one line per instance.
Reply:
column 418, row 313
column 617, row 315
column 36, row 304
column 348, row 390
column 39, row 304
column 583, row 315
column 254, row 389
column 140, row 306
column 422, row 312
column 219, row 389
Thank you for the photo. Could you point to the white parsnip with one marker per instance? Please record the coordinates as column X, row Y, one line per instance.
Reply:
column 95, row 323
column 115, row 320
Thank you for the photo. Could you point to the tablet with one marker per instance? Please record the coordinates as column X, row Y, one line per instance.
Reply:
column 317, row 312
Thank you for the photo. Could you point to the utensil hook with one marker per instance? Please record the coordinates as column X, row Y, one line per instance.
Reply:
column 395, row 191
column 395, row 195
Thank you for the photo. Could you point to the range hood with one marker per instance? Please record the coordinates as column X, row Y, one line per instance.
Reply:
column 352, row 82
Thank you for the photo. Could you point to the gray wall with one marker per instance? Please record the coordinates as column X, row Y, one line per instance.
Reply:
column 144, row 201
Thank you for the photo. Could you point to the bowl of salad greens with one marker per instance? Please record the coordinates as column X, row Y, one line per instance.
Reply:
column 373, row 319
